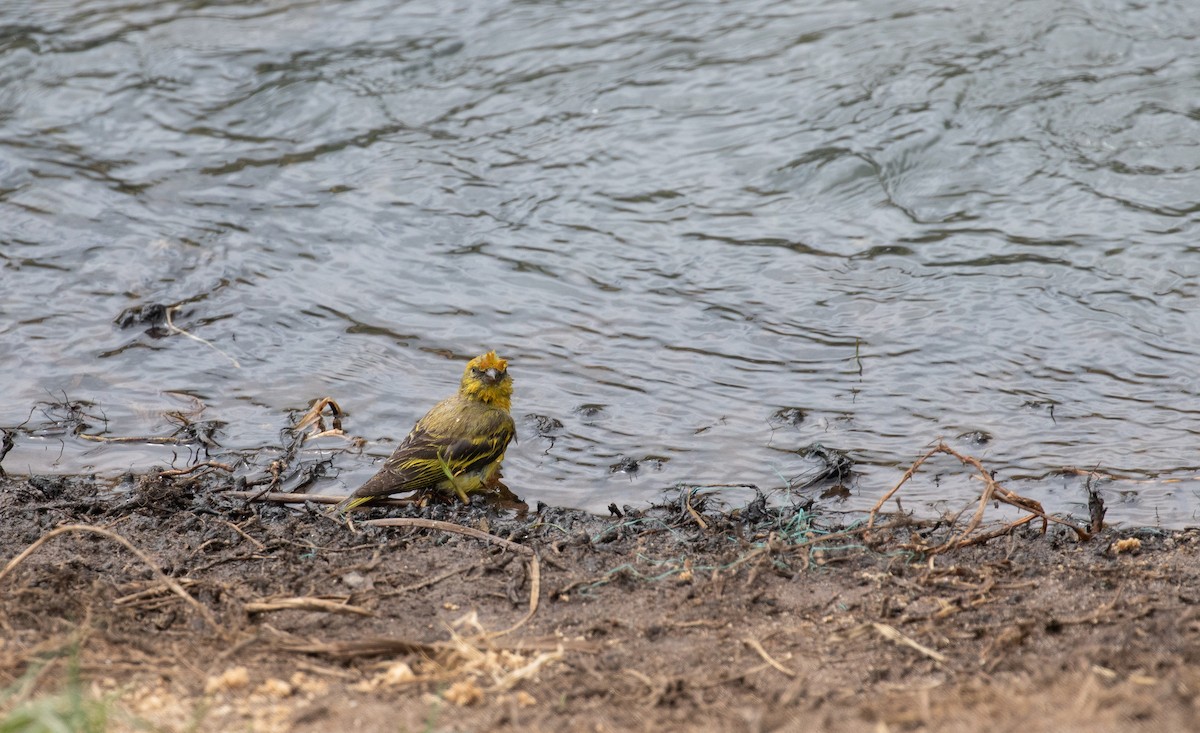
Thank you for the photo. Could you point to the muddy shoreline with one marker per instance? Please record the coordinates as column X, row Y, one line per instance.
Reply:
column 686, row 616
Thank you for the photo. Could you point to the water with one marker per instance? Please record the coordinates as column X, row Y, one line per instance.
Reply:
column 909, row 220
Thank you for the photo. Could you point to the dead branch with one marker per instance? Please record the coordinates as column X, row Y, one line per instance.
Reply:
column 992, row 491
column 903, row 480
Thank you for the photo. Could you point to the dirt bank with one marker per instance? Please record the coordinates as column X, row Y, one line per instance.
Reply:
column 254, row 616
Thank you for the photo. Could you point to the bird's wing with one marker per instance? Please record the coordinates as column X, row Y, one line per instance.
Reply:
column 473, row 453
column 411, row 467
column 417, row 462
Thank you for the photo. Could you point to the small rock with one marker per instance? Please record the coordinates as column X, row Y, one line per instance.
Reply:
column 1129, row 544
column 354, row 580
column 234, row 678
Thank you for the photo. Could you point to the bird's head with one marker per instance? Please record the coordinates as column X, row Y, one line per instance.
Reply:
column 486, row 378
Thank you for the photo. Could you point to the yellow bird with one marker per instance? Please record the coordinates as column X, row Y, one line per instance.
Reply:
column 459, row 444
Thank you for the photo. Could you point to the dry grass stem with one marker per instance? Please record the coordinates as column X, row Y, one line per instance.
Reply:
column 315, row 418
column 892, row 634
column 535, row 587
column 756, row 646
column 434, row 580
column 364, row 647
column 176, row 329
column 277, row 497
column 305, row 603
column 449, row 527
column 151, row 439
column 148, row 593
column 687, row 503
column 261, row 547
column 198, row 466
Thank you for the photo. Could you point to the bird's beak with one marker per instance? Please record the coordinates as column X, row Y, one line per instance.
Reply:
column 492, row 375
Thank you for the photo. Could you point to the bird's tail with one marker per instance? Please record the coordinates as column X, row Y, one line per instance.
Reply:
column 350, row 503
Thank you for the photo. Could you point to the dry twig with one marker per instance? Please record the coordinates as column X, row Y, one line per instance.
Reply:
column 992, row 491
column 315, row 419
column 261, row 547
column 176, row 329
column 687, row 503
column 535, row 587
column 912, row 470
column 152, row 439
column 205, row 464
column 890, row 633
column 429, row 581
column 278, row 497
column 756, row 646
column 449, row 527
column 305, row 603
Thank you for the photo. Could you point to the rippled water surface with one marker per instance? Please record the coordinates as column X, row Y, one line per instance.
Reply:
column 706, row 235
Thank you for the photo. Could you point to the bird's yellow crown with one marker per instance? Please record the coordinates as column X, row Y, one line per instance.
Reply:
column 486, row 379
column 490, row 361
